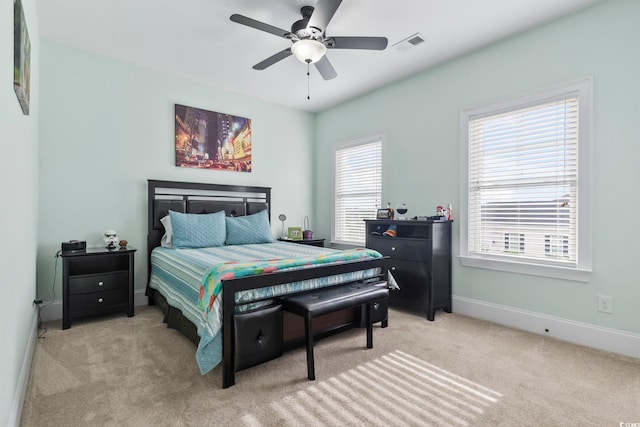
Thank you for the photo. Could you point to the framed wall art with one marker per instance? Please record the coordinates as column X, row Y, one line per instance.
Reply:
column 210, row 140
column 295, row 233
column 384, row 214
column 21, row 57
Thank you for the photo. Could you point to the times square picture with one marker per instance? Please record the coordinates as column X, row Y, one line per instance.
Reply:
column 210, row 140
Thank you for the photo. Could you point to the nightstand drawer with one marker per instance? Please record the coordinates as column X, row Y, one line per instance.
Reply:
column 98, row 300
column 98, row 282
column 408, row 249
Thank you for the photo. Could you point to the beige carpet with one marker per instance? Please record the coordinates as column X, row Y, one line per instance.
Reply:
column 455, row 371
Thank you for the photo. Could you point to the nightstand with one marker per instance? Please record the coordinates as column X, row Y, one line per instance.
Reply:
column 96, row 281
column 310, row 242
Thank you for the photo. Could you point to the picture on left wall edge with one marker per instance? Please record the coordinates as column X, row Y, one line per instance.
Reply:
column 21, row 56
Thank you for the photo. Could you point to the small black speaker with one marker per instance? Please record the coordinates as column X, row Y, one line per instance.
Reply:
column 73, row 246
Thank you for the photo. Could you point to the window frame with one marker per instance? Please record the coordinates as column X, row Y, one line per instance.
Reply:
column 582, row 271
column 378, row 137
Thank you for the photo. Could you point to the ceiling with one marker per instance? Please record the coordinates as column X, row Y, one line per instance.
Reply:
column 197, row 40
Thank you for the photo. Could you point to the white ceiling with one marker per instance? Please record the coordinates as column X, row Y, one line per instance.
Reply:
column 197, row 40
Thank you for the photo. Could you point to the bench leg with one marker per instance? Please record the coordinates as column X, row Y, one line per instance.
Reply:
column 311, row 370
column 368, row 316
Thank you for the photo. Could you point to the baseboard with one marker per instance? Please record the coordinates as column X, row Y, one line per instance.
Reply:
column 53, row 310
column 23, row 381
column 607, row 339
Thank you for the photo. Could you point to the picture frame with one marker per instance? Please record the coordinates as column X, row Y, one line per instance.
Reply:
column 21, row 57
column 294, row 233
column 384, row 214
column 211, row 140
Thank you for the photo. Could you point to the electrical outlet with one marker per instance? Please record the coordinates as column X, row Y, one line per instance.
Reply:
column 605, row 304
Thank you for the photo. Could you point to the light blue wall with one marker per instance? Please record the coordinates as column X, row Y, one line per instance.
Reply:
column 19, row 213
column 107, row 126
column 421, row 118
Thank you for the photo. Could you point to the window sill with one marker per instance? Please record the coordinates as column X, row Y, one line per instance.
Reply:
column 576, row 274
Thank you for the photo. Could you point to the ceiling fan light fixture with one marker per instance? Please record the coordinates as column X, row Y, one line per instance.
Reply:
column 308, row 51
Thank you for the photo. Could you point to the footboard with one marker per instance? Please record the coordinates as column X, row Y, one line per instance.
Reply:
column 233, row 286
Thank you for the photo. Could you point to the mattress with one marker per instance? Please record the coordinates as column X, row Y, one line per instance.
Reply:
column 182, row 275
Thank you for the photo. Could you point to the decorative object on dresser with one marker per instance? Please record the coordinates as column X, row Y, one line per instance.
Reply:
column 386, row 213
column 420, row 261
column 402, row 210
column 111, row 239
column 96, row 281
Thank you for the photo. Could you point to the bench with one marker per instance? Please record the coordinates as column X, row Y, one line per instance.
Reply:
column 328, row 300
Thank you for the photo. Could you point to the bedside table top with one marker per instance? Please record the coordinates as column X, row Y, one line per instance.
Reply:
column 99, row 251
column 284, row 239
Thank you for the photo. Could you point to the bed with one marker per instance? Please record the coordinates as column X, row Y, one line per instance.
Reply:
column 226, row 297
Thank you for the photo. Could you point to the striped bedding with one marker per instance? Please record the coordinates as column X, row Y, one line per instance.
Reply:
column 179, row 275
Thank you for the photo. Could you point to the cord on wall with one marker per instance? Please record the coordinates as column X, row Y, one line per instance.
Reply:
column 55, row 273
column 42, row 330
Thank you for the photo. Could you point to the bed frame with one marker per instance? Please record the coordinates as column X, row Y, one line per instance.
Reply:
column 242, row 339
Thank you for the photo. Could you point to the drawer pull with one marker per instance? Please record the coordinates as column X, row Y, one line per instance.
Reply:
column 393, row 248
column 100, row 283
column 100, row 300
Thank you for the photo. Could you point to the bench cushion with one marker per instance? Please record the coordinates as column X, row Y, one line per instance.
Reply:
column 327, row 300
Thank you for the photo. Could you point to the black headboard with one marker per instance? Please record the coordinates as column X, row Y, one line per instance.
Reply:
column 192, row 197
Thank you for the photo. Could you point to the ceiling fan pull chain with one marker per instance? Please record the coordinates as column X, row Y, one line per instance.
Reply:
column 308, row 62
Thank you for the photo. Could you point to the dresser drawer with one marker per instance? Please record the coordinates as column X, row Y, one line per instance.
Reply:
column 413, row 279
column 98, row 300
column 98, row 282
column 408, row 249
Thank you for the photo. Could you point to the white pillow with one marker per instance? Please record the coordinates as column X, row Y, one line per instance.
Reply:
column 166, row 241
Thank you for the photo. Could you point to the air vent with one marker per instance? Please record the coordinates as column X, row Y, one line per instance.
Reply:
column 410, row 42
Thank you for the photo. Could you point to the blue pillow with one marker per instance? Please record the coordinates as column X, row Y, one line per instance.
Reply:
column 244, row 230
column 198, row 230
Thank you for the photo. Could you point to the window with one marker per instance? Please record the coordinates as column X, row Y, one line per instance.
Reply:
column 526, row 184
column 358, row 189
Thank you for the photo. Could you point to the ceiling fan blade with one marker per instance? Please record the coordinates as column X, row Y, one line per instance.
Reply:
column 325, row 68
column 371, row 43
column 322, row 14
column 249, row 22
column 273, row 59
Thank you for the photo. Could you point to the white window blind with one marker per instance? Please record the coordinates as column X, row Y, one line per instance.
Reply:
column 523, row 183
column 358, row 189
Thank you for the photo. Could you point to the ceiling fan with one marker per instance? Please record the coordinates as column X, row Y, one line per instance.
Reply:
column 310, row 42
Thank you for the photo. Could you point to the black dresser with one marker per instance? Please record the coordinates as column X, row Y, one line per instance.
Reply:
column 420, row 256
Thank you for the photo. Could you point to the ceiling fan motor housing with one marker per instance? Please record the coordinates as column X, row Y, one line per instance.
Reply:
column 299, row 28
